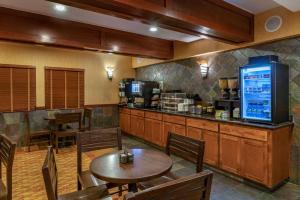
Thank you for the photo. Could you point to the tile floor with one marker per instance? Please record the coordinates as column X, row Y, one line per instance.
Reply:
column 28, row 182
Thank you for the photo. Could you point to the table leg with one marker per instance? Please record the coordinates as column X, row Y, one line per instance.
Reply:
column 132, row 187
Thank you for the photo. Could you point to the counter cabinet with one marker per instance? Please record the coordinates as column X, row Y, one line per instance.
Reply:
column 258, row 154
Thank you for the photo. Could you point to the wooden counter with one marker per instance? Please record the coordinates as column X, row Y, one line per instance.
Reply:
column 255, row 152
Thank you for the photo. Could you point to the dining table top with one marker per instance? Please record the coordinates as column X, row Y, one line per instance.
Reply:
column 147, row 165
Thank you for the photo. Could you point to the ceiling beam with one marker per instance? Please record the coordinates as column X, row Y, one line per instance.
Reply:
column 211, row 18
column 34, row 28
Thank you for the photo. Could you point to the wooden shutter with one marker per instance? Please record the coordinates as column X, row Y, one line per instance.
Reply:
column 58, row 89
column 81, row 89
column 17, row 88
column 5, row 89
column 72, row 89
column 64, row 88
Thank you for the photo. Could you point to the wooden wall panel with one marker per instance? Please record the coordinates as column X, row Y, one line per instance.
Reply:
column 20, row 85
column 5, row 89
column 58, row 89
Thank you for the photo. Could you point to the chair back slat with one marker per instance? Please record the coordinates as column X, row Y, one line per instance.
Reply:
column 194, row 187
column 186, row 148
column 7, row 153
column 97, row 139
column 64, row 118
column 50, row 175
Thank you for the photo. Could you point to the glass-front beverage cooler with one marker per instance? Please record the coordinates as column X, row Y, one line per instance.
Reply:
column 264, row 90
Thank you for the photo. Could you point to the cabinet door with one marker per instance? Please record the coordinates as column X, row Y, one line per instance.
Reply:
column 179, row 129
column 137, row 126
column 125, row 122
column 255, row 161
column 156, row 134
column 194, row 133
column 133, row 124
column 148, row 130
column 211, row 152
column 230, row 148
column 140, row 127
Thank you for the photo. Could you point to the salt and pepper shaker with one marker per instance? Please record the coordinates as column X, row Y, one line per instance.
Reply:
column 126, row 157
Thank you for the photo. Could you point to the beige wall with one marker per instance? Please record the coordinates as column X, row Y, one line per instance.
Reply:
column 290, row 28
column 98, row 89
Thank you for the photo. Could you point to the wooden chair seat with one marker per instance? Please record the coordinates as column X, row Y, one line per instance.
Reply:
column 187, row 148
column 49, row 171
column 95, row 193
column 65, row 119
column 40, row 136
column 87, row 180
column 3, row 191
column 66, row 133
column 194, row 187
column 170, row 176
column 92, row 140
column 154, row 182
column 40, row 133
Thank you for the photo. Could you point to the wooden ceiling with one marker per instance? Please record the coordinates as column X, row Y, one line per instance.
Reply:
column 214, row 19
column 211, row 18
column 34, row 28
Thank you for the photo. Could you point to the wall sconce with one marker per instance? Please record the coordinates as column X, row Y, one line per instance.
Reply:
column 109, row 71
column 204, row 68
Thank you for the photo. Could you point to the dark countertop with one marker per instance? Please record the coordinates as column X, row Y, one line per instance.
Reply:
column 213, row 118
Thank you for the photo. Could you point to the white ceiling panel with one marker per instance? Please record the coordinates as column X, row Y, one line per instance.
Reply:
column 255, row 6
column 292, row 5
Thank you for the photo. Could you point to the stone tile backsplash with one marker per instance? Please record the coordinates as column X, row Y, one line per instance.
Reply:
column 185, row 75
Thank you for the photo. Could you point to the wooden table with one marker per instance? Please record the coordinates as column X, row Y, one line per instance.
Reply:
column 147, row 164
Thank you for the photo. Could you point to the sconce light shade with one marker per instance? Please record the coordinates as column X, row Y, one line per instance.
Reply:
column 109, row 71
column 203, row 68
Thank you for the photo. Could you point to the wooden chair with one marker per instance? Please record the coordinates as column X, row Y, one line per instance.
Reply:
column 7, row 153
column 193, row 187
column 50, row 178
column 187, row 148
column 95, row 140
column 40, row 136
column 87, row 119
column 66, row 118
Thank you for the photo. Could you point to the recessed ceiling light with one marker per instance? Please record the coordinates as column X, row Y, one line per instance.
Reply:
column 60, row 7
column 153, row 29
column 45, row 38
column 115, row 48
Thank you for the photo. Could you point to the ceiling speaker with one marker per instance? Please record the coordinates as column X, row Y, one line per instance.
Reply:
column 273, row 23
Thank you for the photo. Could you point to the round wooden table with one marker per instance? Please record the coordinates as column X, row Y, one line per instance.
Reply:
column 147, row 164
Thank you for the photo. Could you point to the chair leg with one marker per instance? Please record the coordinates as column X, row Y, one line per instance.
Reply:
column 120, row 191
column 56, row 143
column 79, row 186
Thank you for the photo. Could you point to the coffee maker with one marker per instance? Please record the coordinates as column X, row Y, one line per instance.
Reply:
column 223, row 84
column 142, row 91
column 233, row 88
